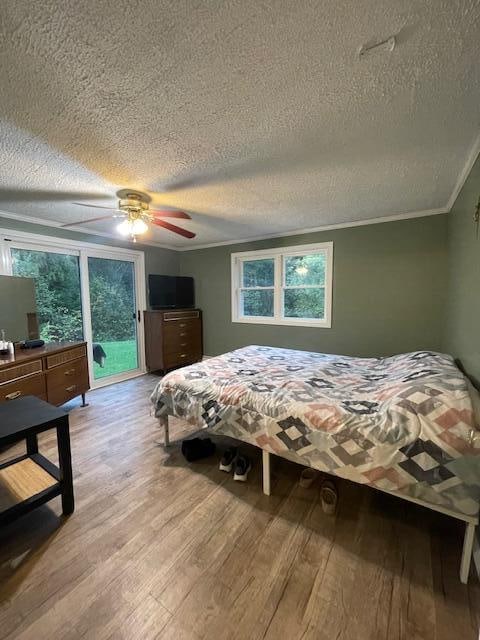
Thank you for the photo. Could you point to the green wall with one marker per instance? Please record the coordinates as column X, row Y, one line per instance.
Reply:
column 462, row 327
column 389, row 291
column 157, row 260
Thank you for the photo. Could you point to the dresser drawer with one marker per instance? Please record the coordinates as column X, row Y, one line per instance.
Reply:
column 181, row 357
column 187, row 344
column 66, row 356
column 20, row 371
column 29, row 386
column 180, row 316
column 67, row 381
column 181, row 329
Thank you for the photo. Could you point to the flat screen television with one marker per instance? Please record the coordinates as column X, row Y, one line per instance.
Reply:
column 170, row 292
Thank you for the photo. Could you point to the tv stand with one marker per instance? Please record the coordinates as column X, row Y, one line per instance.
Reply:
column 173, row 338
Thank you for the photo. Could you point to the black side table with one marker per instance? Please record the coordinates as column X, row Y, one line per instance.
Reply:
column 31, row 480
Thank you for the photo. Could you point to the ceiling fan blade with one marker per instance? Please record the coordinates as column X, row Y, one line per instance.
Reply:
column 95, row 206
column 172, row 214
column 174, row 228
column 73, row 224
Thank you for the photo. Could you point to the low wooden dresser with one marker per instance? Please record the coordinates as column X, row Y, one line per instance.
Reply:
column 56, row 372
column 172, row 338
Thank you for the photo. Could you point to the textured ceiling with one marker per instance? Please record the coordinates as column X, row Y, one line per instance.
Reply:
column 256, row 117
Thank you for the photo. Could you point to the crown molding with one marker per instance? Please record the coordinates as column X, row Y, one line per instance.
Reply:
column 329, row 227
column 283, row 234
column 465, row 172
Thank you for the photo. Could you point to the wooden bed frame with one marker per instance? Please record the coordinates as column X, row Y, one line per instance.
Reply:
column 471, row 522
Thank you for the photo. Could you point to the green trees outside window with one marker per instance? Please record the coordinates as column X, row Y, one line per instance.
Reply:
column 59, row 303
column 302, row 288
column 57, row 290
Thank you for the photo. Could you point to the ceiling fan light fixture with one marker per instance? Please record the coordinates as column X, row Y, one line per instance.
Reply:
column 139, row 226
column 133, row 227
column 124, row 227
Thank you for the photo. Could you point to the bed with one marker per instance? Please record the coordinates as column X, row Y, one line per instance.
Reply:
column 403, row 424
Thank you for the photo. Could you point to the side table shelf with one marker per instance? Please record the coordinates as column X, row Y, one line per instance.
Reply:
column 26, row 482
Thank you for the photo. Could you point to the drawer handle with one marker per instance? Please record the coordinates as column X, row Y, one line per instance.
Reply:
column 12, row 396
column 184, row 344
column 183, row 324
column 70, row 372
column 71, row 388
column 182, row 335
column 183, row 355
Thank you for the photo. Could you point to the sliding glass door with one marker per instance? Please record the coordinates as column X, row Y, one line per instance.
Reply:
column 113, row 311
column 85, row 293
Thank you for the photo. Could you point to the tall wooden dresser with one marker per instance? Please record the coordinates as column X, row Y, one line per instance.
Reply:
column 56, row 372
column 172, row 338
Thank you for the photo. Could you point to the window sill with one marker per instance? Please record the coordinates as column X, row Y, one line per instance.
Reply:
column 317, row 324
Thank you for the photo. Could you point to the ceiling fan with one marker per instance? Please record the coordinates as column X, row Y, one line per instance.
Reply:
column 134, row 210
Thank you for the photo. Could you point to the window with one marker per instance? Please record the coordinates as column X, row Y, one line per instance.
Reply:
column 291, row 286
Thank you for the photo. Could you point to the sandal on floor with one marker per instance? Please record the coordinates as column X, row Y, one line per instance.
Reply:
column 329, row 497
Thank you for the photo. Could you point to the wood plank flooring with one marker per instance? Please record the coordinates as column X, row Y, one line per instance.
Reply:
column 158, row 548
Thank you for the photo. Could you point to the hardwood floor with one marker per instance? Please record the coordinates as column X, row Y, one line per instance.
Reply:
column 158, row 548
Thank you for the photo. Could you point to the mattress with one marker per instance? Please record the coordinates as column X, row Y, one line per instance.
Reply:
column 403, row 423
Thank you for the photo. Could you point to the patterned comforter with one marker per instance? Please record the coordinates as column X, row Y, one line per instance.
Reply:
column 402, row 424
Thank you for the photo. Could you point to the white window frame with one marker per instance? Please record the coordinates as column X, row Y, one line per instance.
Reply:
column 279, row 254
column 84, row 250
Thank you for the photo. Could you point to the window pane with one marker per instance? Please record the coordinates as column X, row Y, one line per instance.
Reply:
column 57, row 291
column 257, row 302
column 304, row 303
column 305, row 270
column 113, row 312
column 258, row 273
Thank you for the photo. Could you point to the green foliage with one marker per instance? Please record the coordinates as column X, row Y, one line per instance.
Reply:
column 58, row 296
column 304, row 303
column 112, row 299
column 258, row 302
column 305, row 273
column 57, row 290
column 305, row 270
column 258, row 273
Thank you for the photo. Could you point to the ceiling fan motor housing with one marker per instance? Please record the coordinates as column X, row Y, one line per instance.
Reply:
column 134, row 206
column 133, row 202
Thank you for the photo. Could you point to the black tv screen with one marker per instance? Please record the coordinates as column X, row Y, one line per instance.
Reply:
column 170, row 292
